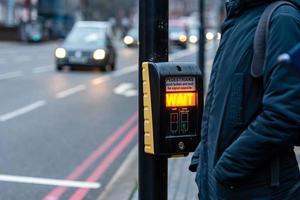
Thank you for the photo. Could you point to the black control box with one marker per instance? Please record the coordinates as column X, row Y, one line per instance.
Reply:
column 173, row 106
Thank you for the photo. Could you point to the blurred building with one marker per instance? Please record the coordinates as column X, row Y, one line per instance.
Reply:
column 214, row 10
column 19, row 19
column 58, row 16
column 179, row 8
column 12, row 12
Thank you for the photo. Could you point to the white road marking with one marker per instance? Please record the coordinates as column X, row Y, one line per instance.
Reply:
column 22, row 111
column 102, row 79
column 70, row 91
column 10, row 75
column 131, row 93
column 123, row 87
column 126, row 89
column 46, row 181
column 43, row 69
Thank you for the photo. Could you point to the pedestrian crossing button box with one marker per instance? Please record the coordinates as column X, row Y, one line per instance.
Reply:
column 173, row 105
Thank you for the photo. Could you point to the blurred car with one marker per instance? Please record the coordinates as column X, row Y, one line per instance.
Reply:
column 88, row 44
column 178, row 34
column 210, row 35
column 194, row 35
column 132, row 38
column 31, row 32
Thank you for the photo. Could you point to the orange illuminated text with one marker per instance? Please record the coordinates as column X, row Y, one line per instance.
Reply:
column 180, row 99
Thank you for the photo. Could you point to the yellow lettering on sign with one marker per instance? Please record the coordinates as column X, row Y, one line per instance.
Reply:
column 180, row 99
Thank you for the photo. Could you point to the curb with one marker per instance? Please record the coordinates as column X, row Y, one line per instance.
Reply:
column 124, row 182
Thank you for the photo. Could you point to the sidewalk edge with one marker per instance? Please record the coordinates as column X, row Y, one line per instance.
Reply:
column 124, row 182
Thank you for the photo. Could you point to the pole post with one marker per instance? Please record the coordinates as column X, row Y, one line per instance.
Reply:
column 201, row 55
column 154, row 38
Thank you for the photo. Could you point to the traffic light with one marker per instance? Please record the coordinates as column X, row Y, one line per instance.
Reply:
column 173, row 103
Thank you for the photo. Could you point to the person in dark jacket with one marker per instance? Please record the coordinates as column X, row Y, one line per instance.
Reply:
column 250, row 124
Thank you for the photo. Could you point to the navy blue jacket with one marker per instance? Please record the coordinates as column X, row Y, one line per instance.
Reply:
column 250, row 123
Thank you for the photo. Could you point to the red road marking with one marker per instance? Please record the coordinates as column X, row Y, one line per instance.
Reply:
column 79, row 194
column 58, row 191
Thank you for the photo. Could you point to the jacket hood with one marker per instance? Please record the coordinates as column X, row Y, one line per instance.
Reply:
column 235, row 7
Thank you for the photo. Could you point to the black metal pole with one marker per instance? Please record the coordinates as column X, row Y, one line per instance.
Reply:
column 201, row 55
column 153, row 34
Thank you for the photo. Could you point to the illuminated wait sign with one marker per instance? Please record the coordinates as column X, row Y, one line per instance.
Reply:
column 180, row 99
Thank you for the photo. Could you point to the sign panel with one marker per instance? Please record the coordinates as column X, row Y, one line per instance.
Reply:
column 180, row 84
column 171, row 122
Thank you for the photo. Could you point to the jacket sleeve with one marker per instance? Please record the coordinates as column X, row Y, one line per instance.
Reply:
column 195, row 159
column 278, row 123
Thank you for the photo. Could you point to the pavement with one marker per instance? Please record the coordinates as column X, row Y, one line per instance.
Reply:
column 181, row 181
column 124, row 184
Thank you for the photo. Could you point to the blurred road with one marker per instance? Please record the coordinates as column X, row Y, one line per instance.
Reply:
column 63, row 135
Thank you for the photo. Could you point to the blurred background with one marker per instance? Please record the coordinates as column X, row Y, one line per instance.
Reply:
column 53, row 19
column 40, row 20
column 68, row 95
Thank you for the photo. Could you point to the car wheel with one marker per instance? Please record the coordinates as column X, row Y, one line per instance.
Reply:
column 113, row 65
column 59, row 68
column 106, row 68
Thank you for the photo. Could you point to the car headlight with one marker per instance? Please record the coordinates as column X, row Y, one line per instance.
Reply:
column 183, row 38
column 128, row 40
column 99, row 54
column 193, row 39
column 60, row 53
column 209, row 36
column 219, row 36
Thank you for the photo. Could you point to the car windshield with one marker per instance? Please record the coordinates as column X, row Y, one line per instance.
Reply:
column 85, row 35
